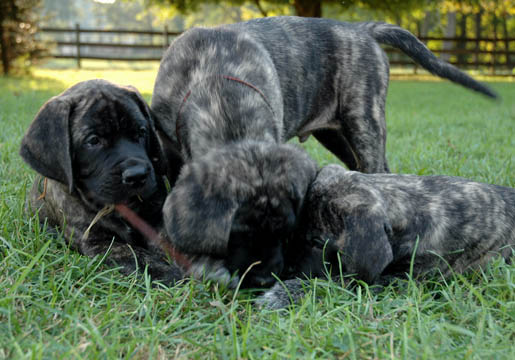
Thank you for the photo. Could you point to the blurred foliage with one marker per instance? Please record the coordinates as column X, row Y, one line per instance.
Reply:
column 429, row 17
column 264, row 8
column 18, row 47
column 425, row 18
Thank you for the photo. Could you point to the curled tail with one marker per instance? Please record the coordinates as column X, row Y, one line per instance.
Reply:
column 405, row 41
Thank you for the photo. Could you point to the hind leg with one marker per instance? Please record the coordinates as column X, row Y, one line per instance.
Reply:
column 359, row 144
column 358, row 130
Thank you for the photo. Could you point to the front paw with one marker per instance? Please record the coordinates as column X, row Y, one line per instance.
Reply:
column 211, row 269
column 283, row 294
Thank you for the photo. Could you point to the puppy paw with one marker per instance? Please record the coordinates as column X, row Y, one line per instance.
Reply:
column 208, row 268
column 282, row 295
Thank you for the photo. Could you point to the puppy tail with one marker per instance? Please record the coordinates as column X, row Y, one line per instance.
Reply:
column 405, row 41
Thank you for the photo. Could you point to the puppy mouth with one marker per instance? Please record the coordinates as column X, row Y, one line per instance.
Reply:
column 123, row 195
column 138, row 198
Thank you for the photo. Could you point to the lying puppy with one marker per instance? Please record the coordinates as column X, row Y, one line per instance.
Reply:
column 270, row 79
column 376, row 223
column 95, row 145
column 243, row 214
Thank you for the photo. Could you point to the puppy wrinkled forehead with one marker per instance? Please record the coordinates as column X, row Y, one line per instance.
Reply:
column 104, row 114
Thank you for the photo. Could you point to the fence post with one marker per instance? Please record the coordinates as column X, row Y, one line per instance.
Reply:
column 494, row 55
column 77, row 43
column 507, row 49
column 476, row 53
column 165, row 36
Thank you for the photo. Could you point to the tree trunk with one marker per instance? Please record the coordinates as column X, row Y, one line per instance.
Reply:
column 3, row 49
column 461, row 45
column 478, row 35
column 450, row 31
column 260, row 8
column 423, row 27
column 308, row 8
column 425, row 24
column 506, row 42
column 495, row 22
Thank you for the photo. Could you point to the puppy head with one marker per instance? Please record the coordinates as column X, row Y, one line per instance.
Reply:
column 97, row 138
column 346, row 215
column 240, row 203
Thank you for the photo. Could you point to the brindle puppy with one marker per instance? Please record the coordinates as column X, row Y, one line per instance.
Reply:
column 237, row 205
column 377, row 222
column 274, row 78
column 95, row 145
column 268, row 80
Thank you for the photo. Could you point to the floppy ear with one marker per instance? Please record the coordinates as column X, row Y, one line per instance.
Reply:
column 363, row 243
column 172, row 158
column 46, row 146
column 195, row 222
column 302, row 171
column 154, row 148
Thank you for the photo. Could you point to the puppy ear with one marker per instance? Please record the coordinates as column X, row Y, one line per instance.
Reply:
column 195, row 221
column 172, row 160
column 363, row 243
column 301, row 170
column 154, row 148
column 46, row 146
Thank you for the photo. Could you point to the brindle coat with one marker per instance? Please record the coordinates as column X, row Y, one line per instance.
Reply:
column 268, row 80
column 377, row 222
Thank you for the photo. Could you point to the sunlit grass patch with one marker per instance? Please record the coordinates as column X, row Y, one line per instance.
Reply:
column 55, row 303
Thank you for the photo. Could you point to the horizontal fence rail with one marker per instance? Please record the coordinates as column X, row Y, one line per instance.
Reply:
column 493, row 55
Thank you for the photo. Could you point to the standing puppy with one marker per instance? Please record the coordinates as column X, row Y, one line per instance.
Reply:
column 268, row 80
column 95, row 145
column 271, row 79
column 378, row 223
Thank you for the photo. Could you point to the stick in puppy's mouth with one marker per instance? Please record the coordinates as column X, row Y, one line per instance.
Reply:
column 152, row 235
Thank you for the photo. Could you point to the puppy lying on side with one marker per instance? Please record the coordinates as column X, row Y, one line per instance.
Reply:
column 95, row 145
column 238, row 205
column 375, row 222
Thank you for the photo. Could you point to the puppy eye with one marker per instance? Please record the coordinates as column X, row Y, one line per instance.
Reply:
column 92, row 140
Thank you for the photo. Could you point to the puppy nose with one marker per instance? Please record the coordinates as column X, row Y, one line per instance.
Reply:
column 135, row 176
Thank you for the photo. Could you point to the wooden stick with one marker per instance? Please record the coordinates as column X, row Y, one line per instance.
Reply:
column 147, row 231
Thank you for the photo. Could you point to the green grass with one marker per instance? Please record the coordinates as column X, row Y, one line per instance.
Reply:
column 55, row 303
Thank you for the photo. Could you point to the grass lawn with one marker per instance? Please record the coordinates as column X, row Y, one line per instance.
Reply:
column 55, row 303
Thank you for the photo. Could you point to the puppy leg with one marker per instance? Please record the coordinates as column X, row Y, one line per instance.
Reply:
column 360, row 149
column 307, row 262
column 360, row 137
column 133, row 258
column 283, row 294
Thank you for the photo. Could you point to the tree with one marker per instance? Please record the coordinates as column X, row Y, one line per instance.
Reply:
column 308, row 8
column 17, row 32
